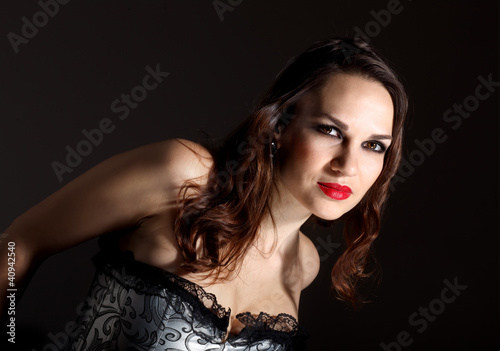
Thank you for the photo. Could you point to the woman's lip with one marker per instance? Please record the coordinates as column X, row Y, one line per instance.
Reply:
column 335, row 191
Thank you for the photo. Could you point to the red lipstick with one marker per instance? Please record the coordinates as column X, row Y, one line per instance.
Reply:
column 335, row 190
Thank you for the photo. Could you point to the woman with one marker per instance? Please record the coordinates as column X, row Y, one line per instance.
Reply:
column 202, row 247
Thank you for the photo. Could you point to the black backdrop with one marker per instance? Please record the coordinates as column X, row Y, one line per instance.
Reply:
column 441, row 224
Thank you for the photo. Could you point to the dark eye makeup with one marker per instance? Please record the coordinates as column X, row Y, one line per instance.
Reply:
column 329, row 130
column 375, row 146
column 334, row 132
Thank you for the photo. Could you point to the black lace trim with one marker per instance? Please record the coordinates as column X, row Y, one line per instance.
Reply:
column 152, row 280
column 282, row 322
column 283, row 329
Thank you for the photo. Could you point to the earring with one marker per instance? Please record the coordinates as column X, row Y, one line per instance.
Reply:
column 274, row 148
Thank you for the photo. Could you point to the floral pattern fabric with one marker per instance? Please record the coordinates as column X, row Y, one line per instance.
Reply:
column 135, row 306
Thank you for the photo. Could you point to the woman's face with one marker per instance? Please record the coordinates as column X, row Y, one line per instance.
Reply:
column 333, row 150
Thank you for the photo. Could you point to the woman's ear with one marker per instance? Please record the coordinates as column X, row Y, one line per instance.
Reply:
column 277, row 135
column 283, row 122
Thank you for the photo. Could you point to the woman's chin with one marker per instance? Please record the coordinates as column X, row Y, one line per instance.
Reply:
column 329, row 216
column 333, row 214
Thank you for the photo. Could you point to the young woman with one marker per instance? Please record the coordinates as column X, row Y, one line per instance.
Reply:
column 201, row 248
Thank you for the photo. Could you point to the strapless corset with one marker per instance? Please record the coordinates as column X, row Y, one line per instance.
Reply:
column 135, row 306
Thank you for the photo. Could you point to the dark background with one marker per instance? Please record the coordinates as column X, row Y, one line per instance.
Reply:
column 441, row 222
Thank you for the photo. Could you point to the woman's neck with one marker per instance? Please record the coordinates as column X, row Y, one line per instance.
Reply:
column 288, row 216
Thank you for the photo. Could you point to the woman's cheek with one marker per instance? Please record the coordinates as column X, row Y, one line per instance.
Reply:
column 305, row 151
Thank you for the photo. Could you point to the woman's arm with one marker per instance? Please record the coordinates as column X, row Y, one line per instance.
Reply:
column 115, row 194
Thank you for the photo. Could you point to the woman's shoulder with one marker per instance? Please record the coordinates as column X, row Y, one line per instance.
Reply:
column 180, row 159
column 194, row 158
column 310, row 261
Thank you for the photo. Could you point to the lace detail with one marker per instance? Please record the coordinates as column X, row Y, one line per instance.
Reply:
column 282, row 322
column 282, row 329
column 152, row 280
column 136, row 306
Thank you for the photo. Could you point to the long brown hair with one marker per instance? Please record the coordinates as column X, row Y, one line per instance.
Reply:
column 219, row 221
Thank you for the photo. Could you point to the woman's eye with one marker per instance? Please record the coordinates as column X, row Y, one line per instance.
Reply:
column 329, row 130
column 375, row 146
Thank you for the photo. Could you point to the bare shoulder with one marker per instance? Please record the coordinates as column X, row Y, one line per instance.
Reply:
column 115, row 194
column 186, row 159
column 309, row 259
column 178, row 160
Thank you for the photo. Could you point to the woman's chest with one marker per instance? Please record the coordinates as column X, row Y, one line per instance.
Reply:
column 262, row 284
column 255, row 292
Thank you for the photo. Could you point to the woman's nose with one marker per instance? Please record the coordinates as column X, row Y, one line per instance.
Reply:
column 346, row 162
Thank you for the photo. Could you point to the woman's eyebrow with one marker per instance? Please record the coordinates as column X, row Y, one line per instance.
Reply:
column 381, row 137
column 335, row 120
column 345, row 127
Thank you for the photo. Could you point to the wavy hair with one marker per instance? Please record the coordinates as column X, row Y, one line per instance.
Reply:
column 218, row 222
